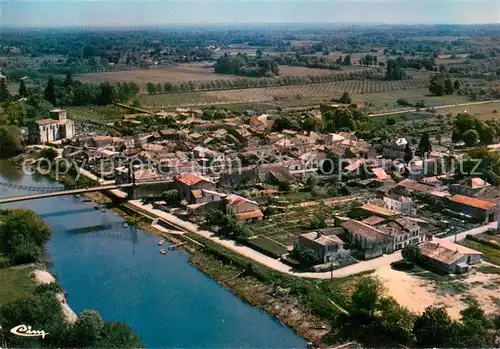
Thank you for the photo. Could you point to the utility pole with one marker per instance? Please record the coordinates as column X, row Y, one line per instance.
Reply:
column 331, row 270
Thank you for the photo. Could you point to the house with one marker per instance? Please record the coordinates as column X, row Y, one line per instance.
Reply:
column 326, row 247
column 404, row 232
column 410, row 186
column 373, row 210
column 473, row 186
column 332, row 138
column 370, row 241
column 400, row 204
column 244, row 209
column 475, row 208
column 189, row 182
column 396, row 149
column 57, row 127
column 380, row 173
column 448, row 257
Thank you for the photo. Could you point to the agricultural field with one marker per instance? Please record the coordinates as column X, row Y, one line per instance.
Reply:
column 485, row 111
column 97, row 114
column 386, row 101
column 288, row 70
column 175, row 73
column 305, row 94
column 284, row 228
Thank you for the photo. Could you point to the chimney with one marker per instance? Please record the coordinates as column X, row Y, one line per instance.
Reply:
column 318, row 234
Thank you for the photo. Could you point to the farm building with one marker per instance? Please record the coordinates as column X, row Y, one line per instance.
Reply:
column 326, row 247
column 448, row 257
column 478, row 209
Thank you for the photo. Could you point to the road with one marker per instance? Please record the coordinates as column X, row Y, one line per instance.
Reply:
column 278, row 265
column 438, row 107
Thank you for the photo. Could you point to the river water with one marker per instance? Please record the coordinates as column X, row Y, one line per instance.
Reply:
column 119, row 272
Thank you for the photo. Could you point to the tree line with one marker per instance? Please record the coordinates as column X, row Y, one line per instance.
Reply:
column 245, row 65
column 241, row 83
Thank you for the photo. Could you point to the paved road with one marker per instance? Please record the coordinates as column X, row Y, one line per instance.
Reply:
column 278, row 265
column 438, row 107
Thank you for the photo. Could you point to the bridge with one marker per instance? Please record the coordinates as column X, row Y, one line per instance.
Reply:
column 48, row 192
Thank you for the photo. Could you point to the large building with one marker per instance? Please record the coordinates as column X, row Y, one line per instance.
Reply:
column 57, row 127
column 326, row 247
column 448, row 257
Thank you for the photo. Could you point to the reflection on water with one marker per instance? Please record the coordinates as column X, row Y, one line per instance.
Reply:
column 118, row 270
column 10, row 173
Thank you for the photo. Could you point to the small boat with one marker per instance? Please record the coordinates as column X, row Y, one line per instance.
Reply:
column 161, row 242
column 103, row 209
column 77, row 196
column 162, row 251
column 86, row 200
column 96, row 208
column 125, row 224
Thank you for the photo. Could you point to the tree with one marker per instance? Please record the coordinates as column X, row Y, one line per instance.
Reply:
column 475, row 328
column 487, row 135
column 345, row 98
column 390, row 122
column 456, row 85
column 49, row 153
column 4, row 91
column 118, row 335
column 437, row 85
column 171, row 197
column 347, row 60
column 366, row 296
column 408, row 153
column 396, row 322
column 411, row 253
column 425, row 146
column 470, row 138
column 23, row 234
column 214, row 217
column 87, row 329
column 434, row 328
column 448, row 86
column 107, row 94
column 311, row 183
column 307, row 256
column 50, row 91
column 23, row 91
column 10, row 142
column 317, row 222
column 68, row 79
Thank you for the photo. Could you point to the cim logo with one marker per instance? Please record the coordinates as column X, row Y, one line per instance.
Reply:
column 26, row 331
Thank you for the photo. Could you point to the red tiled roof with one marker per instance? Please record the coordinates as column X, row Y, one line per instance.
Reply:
column 380, row 173
column 472, row 202
column 382, row 211
column 189, row 179
column 368, row 232
column 250, row 214
column 196, row 194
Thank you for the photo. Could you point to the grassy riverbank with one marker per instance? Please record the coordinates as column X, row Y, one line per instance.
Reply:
column 308, row 307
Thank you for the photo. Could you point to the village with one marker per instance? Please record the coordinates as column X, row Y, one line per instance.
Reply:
column 314, row 201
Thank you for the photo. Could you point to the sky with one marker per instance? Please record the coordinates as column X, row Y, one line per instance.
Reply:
column 139, row 13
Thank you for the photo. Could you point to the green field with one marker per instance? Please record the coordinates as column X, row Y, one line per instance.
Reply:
column 15, row 284
column 97, row 114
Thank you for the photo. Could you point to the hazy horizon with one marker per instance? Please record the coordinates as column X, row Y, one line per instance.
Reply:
column 138, row 14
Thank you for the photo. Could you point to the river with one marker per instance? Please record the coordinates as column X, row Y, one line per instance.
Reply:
column 119, row 272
